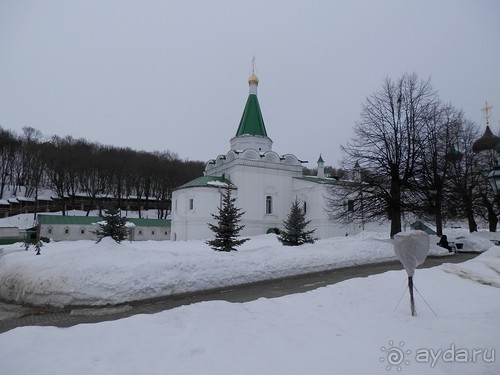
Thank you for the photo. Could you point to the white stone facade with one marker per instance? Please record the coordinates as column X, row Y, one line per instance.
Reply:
column 74, row 228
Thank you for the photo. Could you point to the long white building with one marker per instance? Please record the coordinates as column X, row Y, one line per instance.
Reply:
column 265, row 185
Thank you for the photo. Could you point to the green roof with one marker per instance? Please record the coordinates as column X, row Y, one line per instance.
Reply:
column 205, row 181
column 89, row 220
column 60, row 219
column 252, row 122
column 141, row 222
column 327, row 181
column 320, row 160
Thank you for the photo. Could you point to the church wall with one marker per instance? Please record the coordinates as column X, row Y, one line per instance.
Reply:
column 192, row 207
column 191, row 212
column 254, row 186
column 312, row 194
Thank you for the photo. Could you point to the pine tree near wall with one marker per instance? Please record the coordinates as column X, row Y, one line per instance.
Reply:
column 227, row 229
column 113, row 225
column 294, row 232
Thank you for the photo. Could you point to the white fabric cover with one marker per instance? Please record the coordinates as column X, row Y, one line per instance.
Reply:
column 411, row 248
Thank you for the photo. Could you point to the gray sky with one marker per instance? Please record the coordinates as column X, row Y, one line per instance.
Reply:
column 172, row 75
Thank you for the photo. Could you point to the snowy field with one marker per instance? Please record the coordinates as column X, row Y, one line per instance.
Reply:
column 358, row 326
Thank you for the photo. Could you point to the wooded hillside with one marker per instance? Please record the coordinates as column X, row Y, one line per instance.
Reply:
column 31, row 164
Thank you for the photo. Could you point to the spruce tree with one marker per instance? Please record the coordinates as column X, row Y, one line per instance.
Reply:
column 113, row 226
column 227, row 230
column 294, row 232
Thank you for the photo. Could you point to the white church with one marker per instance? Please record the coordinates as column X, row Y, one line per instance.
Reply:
column 265, row 184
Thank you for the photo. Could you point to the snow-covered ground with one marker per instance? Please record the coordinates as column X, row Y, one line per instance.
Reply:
column 86, row 273
column 353, row 327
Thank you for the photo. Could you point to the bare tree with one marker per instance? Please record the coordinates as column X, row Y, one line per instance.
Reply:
column 55, row 156
column 31, row 163
column 466, row 181
column 440, row 151
column 94, row 180
column 388, row 145
column 9, row 146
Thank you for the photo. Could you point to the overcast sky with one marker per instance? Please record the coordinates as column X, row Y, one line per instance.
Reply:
column 172, row 75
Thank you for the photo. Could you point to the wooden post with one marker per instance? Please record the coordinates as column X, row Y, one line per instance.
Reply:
column 412, row 301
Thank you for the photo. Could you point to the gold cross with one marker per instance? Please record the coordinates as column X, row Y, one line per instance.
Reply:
column 486, row 111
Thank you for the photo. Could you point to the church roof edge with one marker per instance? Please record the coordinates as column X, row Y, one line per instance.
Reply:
column 206, row 181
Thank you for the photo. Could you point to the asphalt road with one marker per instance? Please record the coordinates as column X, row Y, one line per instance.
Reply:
column 12, row 316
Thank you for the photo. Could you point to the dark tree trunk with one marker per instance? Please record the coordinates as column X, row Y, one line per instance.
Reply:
column 395, row 209
column 470, row 219
column 492, row 216
column 439, row 217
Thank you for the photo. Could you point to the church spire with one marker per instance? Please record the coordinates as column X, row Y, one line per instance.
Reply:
column 251, row 131
column 253, row 80
column 252, row 122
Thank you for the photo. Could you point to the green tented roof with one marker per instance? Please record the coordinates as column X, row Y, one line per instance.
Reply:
column 89, row 220
column 252, row 122
column 205, row 181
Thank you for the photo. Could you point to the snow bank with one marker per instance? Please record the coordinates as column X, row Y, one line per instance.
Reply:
column 86, row 273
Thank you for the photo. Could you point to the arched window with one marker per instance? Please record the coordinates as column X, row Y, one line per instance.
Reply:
column 269, row 205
